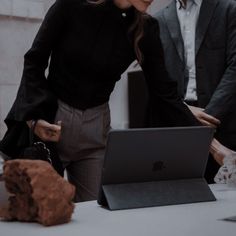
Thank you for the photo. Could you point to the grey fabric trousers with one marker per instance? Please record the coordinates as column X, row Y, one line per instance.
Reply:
column 82, row 145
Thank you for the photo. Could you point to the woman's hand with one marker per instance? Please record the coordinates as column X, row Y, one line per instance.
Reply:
column 46, row 131
column 203, row 117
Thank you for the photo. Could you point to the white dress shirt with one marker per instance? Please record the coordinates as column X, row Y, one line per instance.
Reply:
column 188, row 18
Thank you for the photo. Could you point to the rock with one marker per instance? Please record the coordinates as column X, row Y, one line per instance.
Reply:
column 38, row 193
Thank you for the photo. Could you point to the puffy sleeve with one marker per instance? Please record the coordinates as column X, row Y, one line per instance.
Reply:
column 34, row 99
column 167, row 108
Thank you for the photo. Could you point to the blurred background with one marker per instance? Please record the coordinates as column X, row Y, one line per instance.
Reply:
column 19, row 22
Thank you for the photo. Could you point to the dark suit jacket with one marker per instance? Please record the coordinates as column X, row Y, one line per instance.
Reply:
column 215, row 60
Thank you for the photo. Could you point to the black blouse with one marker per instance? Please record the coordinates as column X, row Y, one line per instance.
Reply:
column 87, row 48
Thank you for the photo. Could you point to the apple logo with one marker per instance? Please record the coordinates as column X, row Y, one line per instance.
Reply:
column 158, row 166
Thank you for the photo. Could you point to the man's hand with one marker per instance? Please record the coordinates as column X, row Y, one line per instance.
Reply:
column 46, row 131
column 203, row 117
column 219, row 151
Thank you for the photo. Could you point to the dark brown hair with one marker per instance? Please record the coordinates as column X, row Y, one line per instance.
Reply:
column 136, row 29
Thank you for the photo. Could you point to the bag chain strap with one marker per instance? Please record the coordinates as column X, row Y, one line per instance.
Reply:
column 38, row 144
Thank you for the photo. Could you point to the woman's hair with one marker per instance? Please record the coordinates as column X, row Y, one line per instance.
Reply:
column 136, row 29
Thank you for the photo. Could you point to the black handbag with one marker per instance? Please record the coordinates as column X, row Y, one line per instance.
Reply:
column 40, row 150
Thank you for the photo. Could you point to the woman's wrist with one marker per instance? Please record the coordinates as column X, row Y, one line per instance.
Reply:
column 31, row 123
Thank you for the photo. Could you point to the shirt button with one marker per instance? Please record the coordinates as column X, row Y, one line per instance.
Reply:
column 123, row 14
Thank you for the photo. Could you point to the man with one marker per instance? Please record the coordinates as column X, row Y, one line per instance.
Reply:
column 199, row 42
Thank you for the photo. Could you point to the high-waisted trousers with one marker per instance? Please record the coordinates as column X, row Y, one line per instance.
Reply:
column 81, row 146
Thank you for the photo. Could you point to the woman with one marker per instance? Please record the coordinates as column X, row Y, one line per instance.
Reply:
column 90, row 44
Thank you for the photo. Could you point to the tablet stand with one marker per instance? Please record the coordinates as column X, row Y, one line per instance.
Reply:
column 159, row 193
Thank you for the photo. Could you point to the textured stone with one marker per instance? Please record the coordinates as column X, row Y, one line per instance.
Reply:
column 38, row 193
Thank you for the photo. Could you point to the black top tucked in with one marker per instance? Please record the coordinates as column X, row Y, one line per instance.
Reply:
column 89, row 47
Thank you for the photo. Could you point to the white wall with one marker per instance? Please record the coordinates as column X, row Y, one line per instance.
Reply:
column 16, row 36
column 19, row 22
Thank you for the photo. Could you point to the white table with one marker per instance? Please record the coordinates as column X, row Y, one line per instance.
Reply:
column 182, row 220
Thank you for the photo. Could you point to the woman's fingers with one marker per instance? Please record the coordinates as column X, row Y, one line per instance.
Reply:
column 206, row 123
column 47, row 131
column 203, row 117
column 210, row 119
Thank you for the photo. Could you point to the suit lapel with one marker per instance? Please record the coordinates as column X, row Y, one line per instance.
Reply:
column 171, row 18
column 205, row 15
